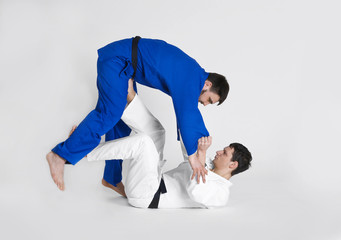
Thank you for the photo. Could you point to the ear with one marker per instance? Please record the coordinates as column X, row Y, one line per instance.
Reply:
column 207, row 85
column 233, row 165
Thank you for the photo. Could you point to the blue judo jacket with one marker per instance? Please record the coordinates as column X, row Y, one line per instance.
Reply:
column 167, row 68
column 161, row 66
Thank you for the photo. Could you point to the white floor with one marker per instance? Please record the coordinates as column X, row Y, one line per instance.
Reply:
column 282, row 59
column 260, row 209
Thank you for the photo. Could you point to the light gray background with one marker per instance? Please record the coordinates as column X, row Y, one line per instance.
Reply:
column 282, row 60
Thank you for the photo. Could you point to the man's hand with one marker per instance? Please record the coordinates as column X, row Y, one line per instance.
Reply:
column 199, row 169
column 131, row 91
column 72, row 130
column 197, row 160
column 204, row 143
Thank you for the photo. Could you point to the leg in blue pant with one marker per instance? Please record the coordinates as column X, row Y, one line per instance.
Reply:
column 112, row 83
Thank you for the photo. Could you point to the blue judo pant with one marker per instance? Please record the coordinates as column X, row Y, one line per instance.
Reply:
column 112, row 83
column 113, row 168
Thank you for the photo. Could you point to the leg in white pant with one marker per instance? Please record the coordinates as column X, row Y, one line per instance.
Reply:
column 143, row 150
column 143, row 177
column 141, row 120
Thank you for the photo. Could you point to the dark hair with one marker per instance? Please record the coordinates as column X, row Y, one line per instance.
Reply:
column 242, row 155
column 220, row 86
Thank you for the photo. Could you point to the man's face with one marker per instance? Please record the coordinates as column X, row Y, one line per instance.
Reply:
column 223, row 157
column 208, row 97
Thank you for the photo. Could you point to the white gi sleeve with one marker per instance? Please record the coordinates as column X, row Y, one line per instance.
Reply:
column 214, row 193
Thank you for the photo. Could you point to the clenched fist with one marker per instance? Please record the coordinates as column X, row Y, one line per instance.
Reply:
column 204, row 143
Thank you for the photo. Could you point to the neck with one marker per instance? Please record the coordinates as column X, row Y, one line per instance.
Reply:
column 222, row 173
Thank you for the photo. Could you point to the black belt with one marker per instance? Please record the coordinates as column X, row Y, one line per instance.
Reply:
column 134, row 54
column 162, row 189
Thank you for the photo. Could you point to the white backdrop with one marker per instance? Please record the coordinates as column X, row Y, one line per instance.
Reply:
column 282, row 61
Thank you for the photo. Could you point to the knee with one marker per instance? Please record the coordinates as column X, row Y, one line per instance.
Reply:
column 146, row 140
column 147, row 144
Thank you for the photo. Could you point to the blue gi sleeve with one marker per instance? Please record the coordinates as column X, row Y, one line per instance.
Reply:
column 189, row 119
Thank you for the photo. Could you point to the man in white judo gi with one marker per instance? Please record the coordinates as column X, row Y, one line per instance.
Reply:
column 147, row 186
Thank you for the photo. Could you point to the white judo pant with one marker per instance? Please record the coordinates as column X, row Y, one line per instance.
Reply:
column 144, row 151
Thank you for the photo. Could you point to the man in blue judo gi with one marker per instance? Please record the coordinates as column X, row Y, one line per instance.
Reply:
column 152, row 63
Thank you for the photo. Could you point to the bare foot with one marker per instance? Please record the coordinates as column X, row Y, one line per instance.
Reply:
column 56, row 165
column 119, row 189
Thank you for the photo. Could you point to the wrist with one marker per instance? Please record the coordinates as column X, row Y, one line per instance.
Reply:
column 201, row 152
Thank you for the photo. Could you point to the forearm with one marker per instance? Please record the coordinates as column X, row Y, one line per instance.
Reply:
column 201, row 156
column 197, row 162
column 190, row 123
